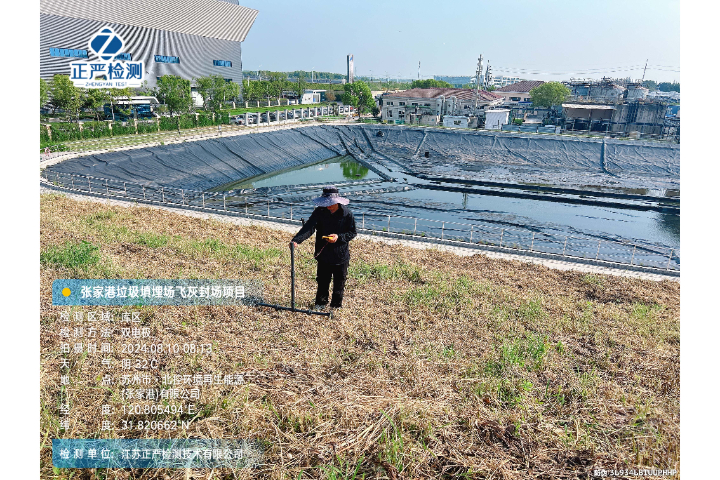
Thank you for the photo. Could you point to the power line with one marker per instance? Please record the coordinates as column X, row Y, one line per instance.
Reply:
column 589, row 71
column 595, row 72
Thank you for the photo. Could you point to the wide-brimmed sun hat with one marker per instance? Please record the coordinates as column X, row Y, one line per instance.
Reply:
column 329, row 197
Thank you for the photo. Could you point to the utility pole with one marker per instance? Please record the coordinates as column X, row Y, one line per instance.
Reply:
column 418, row 69
column 478, row 78
column 643, row 79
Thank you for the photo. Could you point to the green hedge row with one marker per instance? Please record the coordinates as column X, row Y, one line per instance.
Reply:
column 222, row 118
column 95, row 130
column 180, row 121
column 147, row 127
column 120, row 129
column 205, row 120
column 64, row 132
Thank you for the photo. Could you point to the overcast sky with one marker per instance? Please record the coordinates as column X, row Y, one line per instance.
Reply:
column 527, row 38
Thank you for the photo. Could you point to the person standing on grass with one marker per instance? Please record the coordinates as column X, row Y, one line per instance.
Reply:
column 335, row 226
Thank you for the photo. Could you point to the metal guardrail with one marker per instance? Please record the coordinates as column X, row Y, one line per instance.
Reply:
column 511, row 239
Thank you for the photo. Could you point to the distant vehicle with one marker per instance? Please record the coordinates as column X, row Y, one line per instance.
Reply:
column 136, row 107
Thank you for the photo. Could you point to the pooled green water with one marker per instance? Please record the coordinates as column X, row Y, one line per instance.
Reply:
column 338, row 169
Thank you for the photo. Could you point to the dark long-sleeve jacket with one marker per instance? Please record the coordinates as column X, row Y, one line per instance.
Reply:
column 325, row 223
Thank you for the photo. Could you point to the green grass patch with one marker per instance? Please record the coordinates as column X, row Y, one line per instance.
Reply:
column 392, row 446
column 256, row 254
column 509, row 392
column 72, row 255
column 531, row 310
column 527, row 352
column 641, row 311
column 342, row 469
column 258, row 257
column 446, row 294
column 365, row 271
column 104, row 223
column 212, row 245
column 151, row 240
column 593, row 280
column 100, row 216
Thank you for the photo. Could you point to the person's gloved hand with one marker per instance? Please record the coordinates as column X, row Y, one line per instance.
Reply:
column 333, row 238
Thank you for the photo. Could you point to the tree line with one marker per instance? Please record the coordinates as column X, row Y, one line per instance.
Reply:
column 652, row 85
column 173, row 92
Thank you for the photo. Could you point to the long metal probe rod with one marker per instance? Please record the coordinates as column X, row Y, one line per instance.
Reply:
column 292, row 292
column 292, row 276
column 297, row 310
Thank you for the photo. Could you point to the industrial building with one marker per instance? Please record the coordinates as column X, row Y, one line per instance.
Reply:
column 604, row 90
column 518, row 92
column 496, row 118
column 459, row 121
column 637, row 116
column 187, row 38
column 499, row 81
column 398, row 106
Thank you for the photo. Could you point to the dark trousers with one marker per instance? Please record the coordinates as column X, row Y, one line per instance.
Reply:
column 338, row 274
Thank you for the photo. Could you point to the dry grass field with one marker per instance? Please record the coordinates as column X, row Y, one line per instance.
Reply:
column 438, row 366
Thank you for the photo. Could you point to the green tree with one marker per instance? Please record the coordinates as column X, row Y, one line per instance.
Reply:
column 113, row 95
column 669, row 87
column 44, row 92
column 490, row 88
column 300, row 86
column 231, row 91
column 215, row 91
column 650, row 85
column 375, row 111
column 276, row 84
column 66, row 96
column 430, row 83
column 549, row 94
column 174, row 92
column 358, row 95
column 95, row 99
column 330, row 96
column 249, row 90
column 127, row 93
